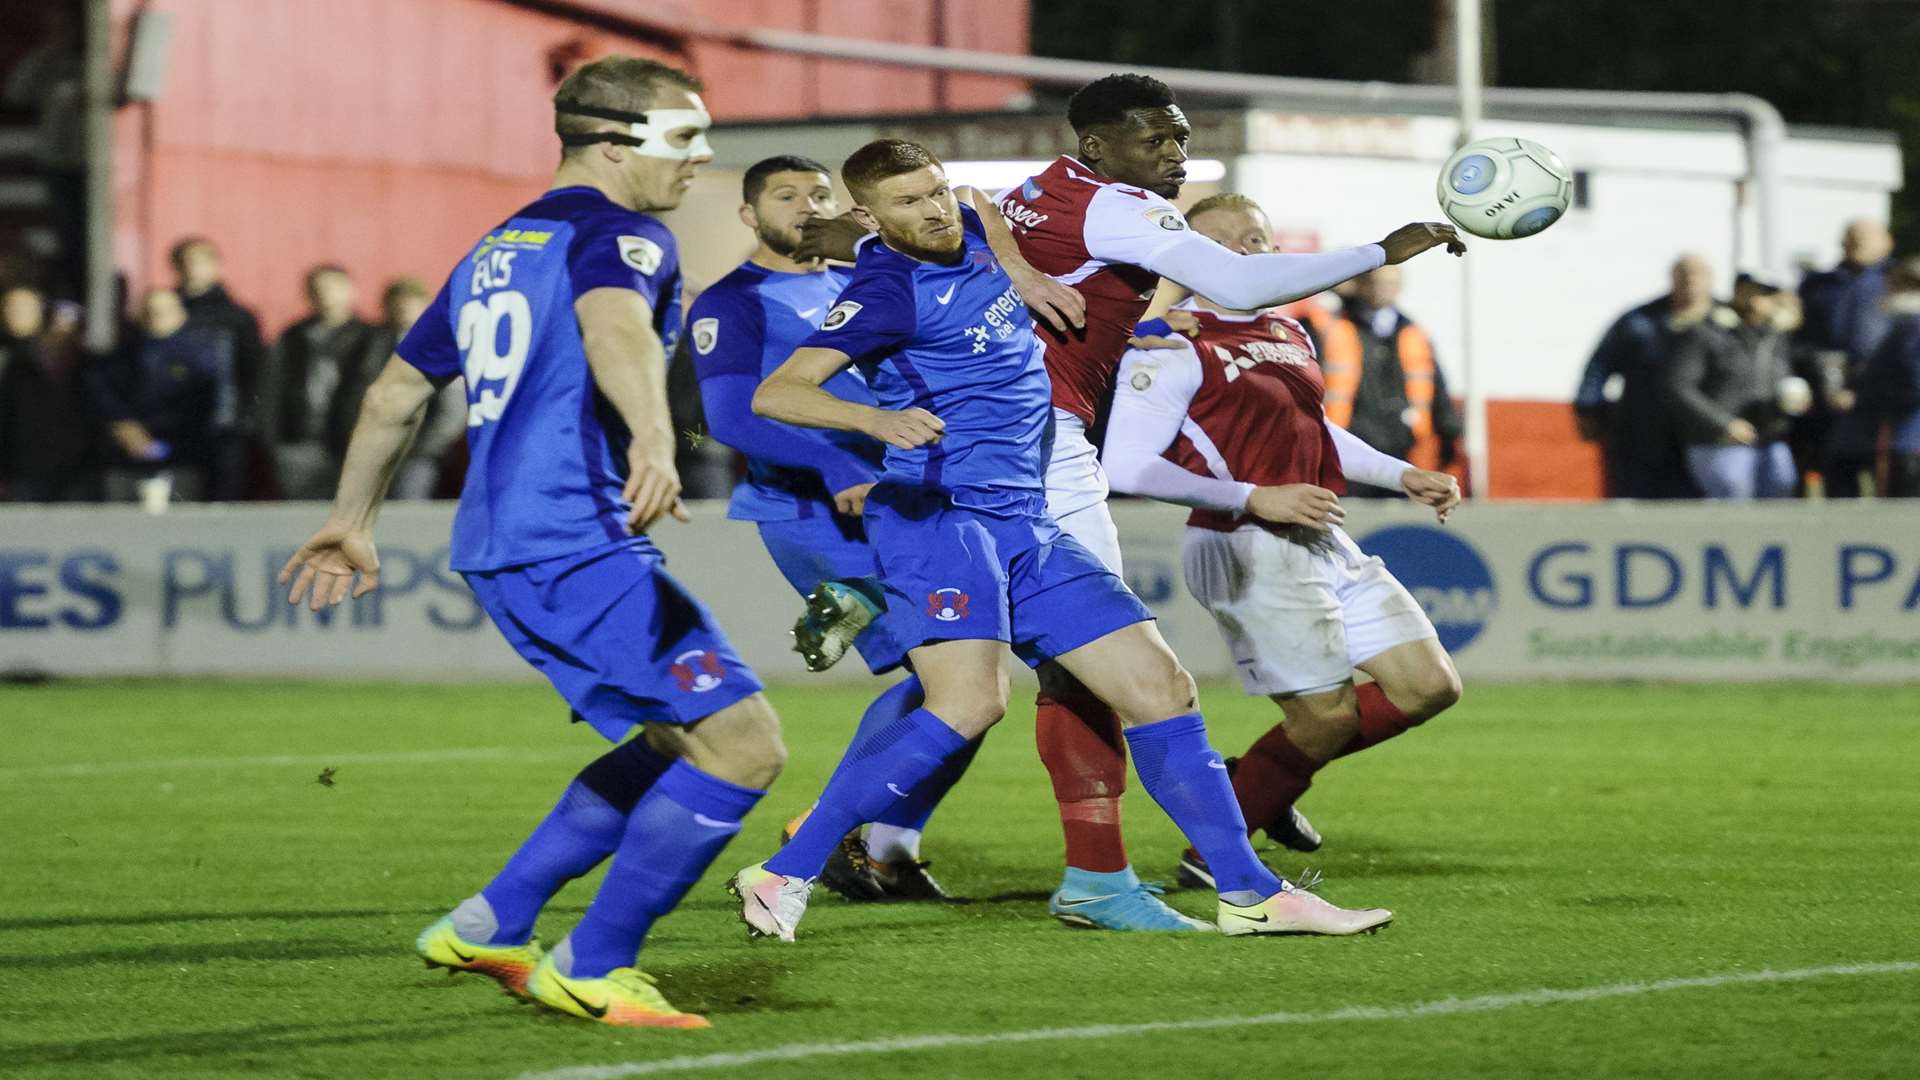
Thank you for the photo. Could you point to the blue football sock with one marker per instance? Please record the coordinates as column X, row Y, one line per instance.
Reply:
column 671, row 838
column 878, row 770
column 1186, row 777
column 580, row 831
column 912, row 812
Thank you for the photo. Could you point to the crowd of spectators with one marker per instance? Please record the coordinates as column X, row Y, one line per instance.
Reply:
column 1769, row 393
column 1772, row 393
column 194, row 403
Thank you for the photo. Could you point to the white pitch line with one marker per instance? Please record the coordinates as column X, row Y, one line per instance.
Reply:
column 84, row 769
column 1441, row 1007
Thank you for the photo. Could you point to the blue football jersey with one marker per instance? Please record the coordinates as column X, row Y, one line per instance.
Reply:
column 749, row 323
column 955, row 340
column 548, row 453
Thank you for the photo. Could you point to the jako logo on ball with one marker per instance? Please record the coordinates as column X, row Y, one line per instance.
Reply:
column 1444, row 573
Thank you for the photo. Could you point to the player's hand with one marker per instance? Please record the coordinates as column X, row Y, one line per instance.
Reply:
column 1429, row 488
column 829, row 238
column 906, row 428
column 1184, row 324
column 1742, row 432
column 653, row 484
column 1297, row 504
column 326, row 565
column 1059, row 306
column 1407, row 241
column 853, row 501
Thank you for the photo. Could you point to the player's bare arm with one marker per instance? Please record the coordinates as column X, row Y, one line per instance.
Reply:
column 323, row 569
column 830, row 238
column 793, row 394
column 1409, row 240
column 629, row 364
column 1062, row 306
column 1182, row 324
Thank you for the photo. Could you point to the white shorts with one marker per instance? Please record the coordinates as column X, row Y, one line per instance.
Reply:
column 1077, row 490
column 1298, row 619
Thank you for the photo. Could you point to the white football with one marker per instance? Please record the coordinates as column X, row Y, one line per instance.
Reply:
column 1504, row 189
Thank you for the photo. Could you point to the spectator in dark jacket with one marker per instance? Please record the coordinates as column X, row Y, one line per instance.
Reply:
column 1890, row 386
column 49, row 433
column 169, row 399
column 1622, row 400
column 1725, row 387
column 199, row 279
column 308, row 407
column 1843, row 326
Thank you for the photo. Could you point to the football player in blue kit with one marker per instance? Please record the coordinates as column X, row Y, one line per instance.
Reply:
column 966, row 550
column 804, row 486
column 561, row 320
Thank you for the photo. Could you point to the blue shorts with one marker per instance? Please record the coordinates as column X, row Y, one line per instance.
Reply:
column 956, row 574
column 811, row 550
column 620, row 639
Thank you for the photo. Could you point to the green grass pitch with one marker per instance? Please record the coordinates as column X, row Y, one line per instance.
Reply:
column 181, row 896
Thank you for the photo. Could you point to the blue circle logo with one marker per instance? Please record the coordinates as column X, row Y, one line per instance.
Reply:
column 1472, row 174
column 1534, row 220
column 1443, row 572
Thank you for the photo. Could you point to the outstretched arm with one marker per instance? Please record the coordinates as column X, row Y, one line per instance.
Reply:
column 390, row 414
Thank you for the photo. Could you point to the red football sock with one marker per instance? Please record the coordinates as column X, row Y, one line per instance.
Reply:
column 1271, row 776
column 1085, row 754
column 1380, row 719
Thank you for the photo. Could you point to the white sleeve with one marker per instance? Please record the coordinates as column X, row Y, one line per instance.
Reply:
column 1150, row 399
column 1247, row 282
column 1361, row 462
column 1131, row 227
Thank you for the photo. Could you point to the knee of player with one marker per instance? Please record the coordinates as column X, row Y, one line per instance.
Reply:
column 751, row 744
column 1163, row 694
column 1434, row 690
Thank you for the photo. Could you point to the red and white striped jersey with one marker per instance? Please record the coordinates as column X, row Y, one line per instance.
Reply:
column 1092, row 233
column 1249, row 396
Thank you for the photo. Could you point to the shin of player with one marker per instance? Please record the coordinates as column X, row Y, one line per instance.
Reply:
column 1232, row 425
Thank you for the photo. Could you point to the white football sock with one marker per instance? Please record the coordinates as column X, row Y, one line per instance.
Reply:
column 891, row 843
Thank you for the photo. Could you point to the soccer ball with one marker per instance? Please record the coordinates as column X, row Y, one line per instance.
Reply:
column 1504, row 189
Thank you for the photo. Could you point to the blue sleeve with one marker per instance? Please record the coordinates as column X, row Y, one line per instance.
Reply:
column 430, row 345
column 622, row 251
column 728, row 397
column 728, row 330
column 875, row 315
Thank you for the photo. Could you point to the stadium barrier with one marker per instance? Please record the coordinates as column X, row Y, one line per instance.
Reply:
column 1518, row 591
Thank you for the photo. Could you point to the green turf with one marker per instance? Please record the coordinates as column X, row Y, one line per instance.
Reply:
column 183, row 917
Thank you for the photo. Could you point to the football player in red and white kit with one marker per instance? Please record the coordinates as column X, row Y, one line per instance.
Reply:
column 1232, row 424
column 1100, row 220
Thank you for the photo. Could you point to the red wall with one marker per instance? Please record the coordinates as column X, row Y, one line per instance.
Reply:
column 385, row 135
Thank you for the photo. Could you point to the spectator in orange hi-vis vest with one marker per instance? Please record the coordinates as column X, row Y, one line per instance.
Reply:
column 1382, row 382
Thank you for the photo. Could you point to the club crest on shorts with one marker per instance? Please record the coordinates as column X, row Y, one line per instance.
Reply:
column 840, row 315
column 947, row 605
column 697, row 670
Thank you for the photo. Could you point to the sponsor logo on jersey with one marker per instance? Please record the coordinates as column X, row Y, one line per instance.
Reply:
column 641, row 253
column 706, row 334
column 841, row 314
column 1167, row 218
column 1255, row 353
column 697, row 670
column 1444, row 573
column 948, row 605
